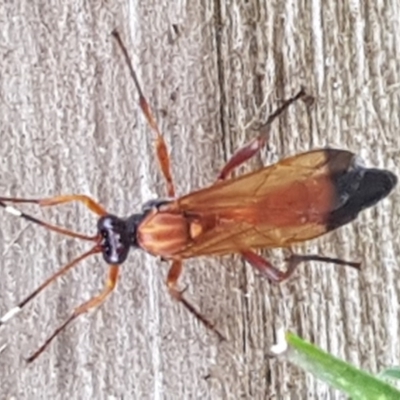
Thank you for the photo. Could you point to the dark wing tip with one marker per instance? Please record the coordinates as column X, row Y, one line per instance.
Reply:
column 358, row 189
column 375, row 185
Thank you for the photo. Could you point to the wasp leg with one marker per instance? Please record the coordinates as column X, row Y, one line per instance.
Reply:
column 275, row 275
column 253, row 147
column 161, row 147
column 86, row 200
column 91, row 204
column 83, row 308
column 56, row 200
column 172, row 280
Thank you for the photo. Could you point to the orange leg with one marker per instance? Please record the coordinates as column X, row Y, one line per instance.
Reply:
column 87, row 201
column 172, row 280
column 253, row 147
column 277, row 276
column 161, row 147
column 83, row 308
column 56, row 200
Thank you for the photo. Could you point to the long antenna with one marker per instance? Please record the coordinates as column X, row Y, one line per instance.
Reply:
column 17, row 213
column 17, row 309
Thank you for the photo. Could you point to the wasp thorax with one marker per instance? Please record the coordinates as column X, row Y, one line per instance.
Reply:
column 116, row 239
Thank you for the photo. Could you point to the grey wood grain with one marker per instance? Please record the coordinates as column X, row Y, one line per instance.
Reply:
column 70, row 123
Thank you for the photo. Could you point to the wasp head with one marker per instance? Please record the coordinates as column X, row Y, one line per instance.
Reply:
column 116, row 238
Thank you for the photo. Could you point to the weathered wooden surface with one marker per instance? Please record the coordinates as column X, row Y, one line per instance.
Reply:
column 70, row 123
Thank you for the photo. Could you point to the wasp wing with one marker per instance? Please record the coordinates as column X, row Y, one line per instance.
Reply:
column 277, row 206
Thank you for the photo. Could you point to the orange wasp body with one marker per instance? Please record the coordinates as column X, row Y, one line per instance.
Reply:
column 297, row 199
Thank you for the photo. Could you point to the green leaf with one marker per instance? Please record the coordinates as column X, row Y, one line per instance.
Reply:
column 357, row 384
column 391, row 373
